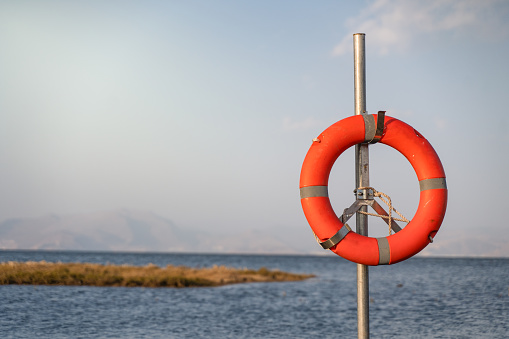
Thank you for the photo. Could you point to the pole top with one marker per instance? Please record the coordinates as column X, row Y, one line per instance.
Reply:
column 359, row 34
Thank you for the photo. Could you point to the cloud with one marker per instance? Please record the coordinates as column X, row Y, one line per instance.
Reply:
column 291, row 125
column 393, row 25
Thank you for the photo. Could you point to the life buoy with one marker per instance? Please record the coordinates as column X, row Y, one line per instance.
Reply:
column 318, row 210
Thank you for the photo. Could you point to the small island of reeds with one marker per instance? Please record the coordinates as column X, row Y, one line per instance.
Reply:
column 77, row 274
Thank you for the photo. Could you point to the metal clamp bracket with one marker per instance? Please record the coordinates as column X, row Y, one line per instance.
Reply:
column 364, row 197
column 350, row 211
column 373, row 133
column 364, row 194
column 336, row 238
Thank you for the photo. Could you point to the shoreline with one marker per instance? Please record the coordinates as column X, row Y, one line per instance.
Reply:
column 89, row 274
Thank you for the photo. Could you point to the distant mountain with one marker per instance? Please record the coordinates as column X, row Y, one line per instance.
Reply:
column 145, row 231
column 469, row 245
column 112, row 230
column 133, row 230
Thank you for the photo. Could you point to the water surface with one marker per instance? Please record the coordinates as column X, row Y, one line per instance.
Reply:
column 418, row 298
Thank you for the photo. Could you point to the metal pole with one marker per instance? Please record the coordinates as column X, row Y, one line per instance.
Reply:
column 361, row 180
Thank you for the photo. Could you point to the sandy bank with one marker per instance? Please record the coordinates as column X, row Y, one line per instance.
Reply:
column 45, row 273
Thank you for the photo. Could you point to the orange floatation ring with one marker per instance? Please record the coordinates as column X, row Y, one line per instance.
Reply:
column 327, row 226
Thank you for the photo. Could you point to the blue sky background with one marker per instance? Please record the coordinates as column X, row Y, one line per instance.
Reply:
column 203, row 111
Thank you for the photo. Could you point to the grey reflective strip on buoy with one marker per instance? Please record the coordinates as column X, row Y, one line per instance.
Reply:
column 384, row 251
column 313, row 191
column 369, row 127
column 336, row 238
column 430, row 184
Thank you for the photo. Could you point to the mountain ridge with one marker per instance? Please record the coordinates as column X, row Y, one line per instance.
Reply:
column 145, row 231
column 133, row 230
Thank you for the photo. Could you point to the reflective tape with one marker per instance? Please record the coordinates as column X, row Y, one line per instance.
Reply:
column 369, row 127
column 384, row 251
column 313, row 191
column 430, row 184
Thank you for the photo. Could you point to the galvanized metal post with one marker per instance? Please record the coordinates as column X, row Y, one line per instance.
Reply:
column 361, row 180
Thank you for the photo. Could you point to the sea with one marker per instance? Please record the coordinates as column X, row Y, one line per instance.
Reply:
column 419, row 298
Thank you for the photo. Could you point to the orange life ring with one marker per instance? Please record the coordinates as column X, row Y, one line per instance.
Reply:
column 318, row 210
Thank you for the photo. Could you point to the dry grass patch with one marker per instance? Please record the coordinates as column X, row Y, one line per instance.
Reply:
column 45, row 273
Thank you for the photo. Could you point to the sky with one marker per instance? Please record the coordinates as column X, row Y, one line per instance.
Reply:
column 203, row 111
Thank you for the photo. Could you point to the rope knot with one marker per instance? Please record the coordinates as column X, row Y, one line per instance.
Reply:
column 388, row 202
